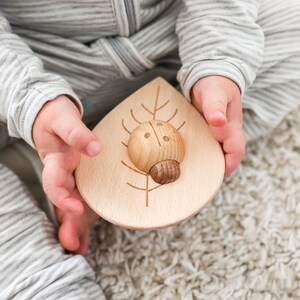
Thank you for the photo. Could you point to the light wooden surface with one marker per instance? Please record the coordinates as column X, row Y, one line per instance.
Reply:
column 124, row 195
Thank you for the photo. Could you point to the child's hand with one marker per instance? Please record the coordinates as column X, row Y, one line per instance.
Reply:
column 219, row 100
column 60, row 137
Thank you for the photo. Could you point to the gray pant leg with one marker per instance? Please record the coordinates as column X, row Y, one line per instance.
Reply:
column 33, row 264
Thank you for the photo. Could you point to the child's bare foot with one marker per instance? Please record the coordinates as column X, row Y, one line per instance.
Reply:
column 74, row 230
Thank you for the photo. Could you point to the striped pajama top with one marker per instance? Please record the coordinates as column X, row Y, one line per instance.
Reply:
column 94, row 51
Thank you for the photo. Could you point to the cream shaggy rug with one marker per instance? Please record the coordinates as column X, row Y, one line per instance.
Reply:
column 244, row 245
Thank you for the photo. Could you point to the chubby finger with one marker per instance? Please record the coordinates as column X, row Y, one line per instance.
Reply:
column 73, row 234
column 214, row 106
column 234, row 147
column 69, row 233
column 57, row 184
column 74, row 133
column 72, row 237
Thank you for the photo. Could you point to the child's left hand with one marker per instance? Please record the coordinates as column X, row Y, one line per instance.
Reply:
column 219, row 100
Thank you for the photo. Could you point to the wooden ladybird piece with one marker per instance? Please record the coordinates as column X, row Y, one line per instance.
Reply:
column 156, row 148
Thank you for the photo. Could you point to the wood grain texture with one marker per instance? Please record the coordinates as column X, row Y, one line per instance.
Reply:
column 165, row 171
column 124, row 195
column 153, row 142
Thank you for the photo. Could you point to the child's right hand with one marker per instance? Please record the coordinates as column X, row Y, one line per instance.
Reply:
column 60, row 137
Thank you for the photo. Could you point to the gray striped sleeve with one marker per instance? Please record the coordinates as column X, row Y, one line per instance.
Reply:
column 25, row 86
column 219, row 38
column 33, row 264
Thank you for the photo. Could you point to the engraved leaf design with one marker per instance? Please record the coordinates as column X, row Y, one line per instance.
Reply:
column 153, row 113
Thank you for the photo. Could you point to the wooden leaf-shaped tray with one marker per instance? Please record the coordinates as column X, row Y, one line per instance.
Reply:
column 121, row 193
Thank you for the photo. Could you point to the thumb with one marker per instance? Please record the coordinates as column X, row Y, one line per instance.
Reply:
column 214, row 106
column 73, row 132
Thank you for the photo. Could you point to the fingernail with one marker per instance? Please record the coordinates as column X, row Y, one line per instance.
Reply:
column 93, row 148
